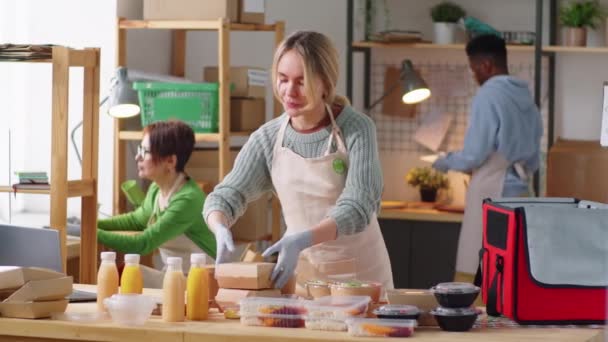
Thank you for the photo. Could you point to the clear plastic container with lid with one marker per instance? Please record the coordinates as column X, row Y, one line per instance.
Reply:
column 330, row 313
column 456, row 319
column 375, row 327
column 397, row 311
column 273, row 312
column 455, row 294
column 130, row 309
column 357, row 288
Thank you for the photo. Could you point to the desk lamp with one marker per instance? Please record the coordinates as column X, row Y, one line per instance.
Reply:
column 413, row 86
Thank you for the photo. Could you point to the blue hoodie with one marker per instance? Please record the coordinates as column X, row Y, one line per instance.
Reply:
column 504, row 118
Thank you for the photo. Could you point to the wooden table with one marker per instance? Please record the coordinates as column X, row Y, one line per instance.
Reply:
column 415, row 211
column 219, row 329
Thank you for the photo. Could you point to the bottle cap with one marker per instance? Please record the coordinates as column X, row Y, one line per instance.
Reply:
column 174, row 261
column 108, row 256
column 132, row 258
column 198, row 258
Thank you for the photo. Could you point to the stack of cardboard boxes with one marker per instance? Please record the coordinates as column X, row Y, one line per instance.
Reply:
column 237, row 11
column 29, row 292
column 243, row 279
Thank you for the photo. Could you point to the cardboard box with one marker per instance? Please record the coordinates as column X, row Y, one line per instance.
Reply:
column 42, row 290
column 247, row 114
column 191, row 9
column 422, row 298
column 247, row 81
column 13, row 277
column 252, row 11
column 578, row 169
column 246, row 276
column 254, row 224
column 229, row 297
column 32, row 309
column 213, row 285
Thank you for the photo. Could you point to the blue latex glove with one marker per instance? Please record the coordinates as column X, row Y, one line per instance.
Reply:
column 441, row 164
column 225, row 245
column 289, row 248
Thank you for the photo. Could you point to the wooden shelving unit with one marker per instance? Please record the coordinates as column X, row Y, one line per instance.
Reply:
column 61, row 188
column 461, row 47
column 222, row 138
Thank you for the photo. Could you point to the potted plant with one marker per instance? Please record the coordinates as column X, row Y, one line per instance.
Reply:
column 445, row 17
column 428, row 181
column 576, row 17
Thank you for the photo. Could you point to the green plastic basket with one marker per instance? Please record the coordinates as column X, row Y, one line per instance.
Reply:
column 196, row 104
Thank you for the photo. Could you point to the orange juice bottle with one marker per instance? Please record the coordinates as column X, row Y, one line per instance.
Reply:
column 174, row 291
column 107, row 279
column 131, row 280
column 197, row 290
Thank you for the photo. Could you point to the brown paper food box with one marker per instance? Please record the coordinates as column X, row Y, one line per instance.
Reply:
column 244, row 275
column 422, row 298
column 191, row 9
column 228, row 297
column 37, row 298
column 577, row 168
column 32, row 309
column 247, row 81
column 12, row 277
column 254, row 224
column 252, row 11
column 247, row 114
column 213, row 286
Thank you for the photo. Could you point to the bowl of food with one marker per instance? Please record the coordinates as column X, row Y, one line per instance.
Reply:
column 456, row 319
column 357, row 288
column 455, row 295
column 317, row 288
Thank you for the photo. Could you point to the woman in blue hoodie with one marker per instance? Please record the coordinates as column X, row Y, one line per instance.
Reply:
column 502, row 144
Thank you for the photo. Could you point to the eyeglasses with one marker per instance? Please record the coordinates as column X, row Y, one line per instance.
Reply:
column 141, row 152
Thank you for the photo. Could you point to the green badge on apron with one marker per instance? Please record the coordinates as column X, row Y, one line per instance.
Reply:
column 339, row 166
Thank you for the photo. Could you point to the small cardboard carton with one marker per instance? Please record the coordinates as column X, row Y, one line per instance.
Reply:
column 247, row 81
column 213, row 286
column 13, row 277
column 42, row 290
column 424, row 299
column 244, row 275
column 32, row 309
column 252, row 11
column 247, row 114
column 191, row 9
column 231, row 297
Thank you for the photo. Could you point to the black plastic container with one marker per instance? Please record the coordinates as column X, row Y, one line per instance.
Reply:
column 396, row 311
column 455, row 295
column 455, row 319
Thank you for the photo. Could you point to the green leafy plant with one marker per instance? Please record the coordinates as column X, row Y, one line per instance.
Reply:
column 427, row 178
column 447, row 12
column 581, row 14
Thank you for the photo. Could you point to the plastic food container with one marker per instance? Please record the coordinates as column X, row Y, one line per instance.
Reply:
column 357, row 288
column 396, row 311
column 317, row 288
column 130, row 309
column 329, row 313
column 380, row 327
column 455, row 295
column 456, row 319
column 232, row 312
column 273, row 312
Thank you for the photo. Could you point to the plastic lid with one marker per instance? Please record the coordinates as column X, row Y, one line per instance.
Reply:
column 355, row 283
column 108, row 256
column 132, row 258
column 455, row 288
column 441, row 311
column 397, row 310
column 198, row 258
column 174, row 261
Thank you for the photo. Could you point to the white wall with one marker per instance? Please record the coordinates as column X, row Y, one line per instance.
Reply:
column 25, row 90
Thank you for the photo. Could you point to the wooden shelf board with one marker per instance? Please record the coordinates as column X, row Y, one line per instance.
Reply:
column 190, row 25
column 198, row 137
column 575, row 49
column 76, row 188
column 8, row 188
column 529, row 48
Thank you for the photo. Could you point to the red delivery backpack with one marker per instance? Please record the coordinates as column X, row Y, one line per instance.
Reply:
column 545, row 260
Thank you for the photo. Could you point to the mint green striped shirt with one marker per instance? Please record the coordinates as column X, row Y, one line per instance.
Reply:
column 250, row 176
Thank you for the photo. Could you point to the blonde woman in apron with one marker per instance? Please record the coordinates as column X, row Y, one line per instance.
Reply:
column 501, row 147
column 169, row 217
column 320, row 158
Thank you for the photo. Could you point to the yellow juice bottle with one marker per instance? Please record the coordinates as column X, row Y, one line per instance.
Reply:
column 131, row 280
column 174, row 291
column 197, row 289
column 107, row 279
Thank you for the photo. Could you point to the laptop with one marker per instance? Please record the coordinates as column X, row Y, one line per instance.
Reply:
column 35, row 247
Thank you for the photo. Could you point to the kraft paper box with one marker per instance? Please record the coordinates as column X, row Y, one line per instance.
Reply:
column 577, row 168
column 42, row 290
column 243, row 275
column 252, row 11
column 227, row 297
column 247, row 81
column 32, row 309
column 422, row 298
column 247, row 114
column 191, row 9
column 12, row 277
column 213, row 286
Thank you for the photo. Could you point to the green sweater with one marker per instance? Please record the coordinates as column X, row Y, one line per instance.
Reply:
column 182, row 216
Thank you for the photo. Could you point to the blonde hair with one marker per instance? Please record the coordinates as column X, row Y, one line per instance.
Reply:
column 320, row 59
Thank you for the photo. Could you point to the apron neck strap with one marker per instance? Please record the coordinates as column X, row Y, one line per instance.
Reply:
column 335, row 133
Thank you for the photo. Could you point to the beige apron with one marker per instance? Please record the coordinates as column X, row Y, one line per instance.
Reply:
column 308, row 188
column 487, row 181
